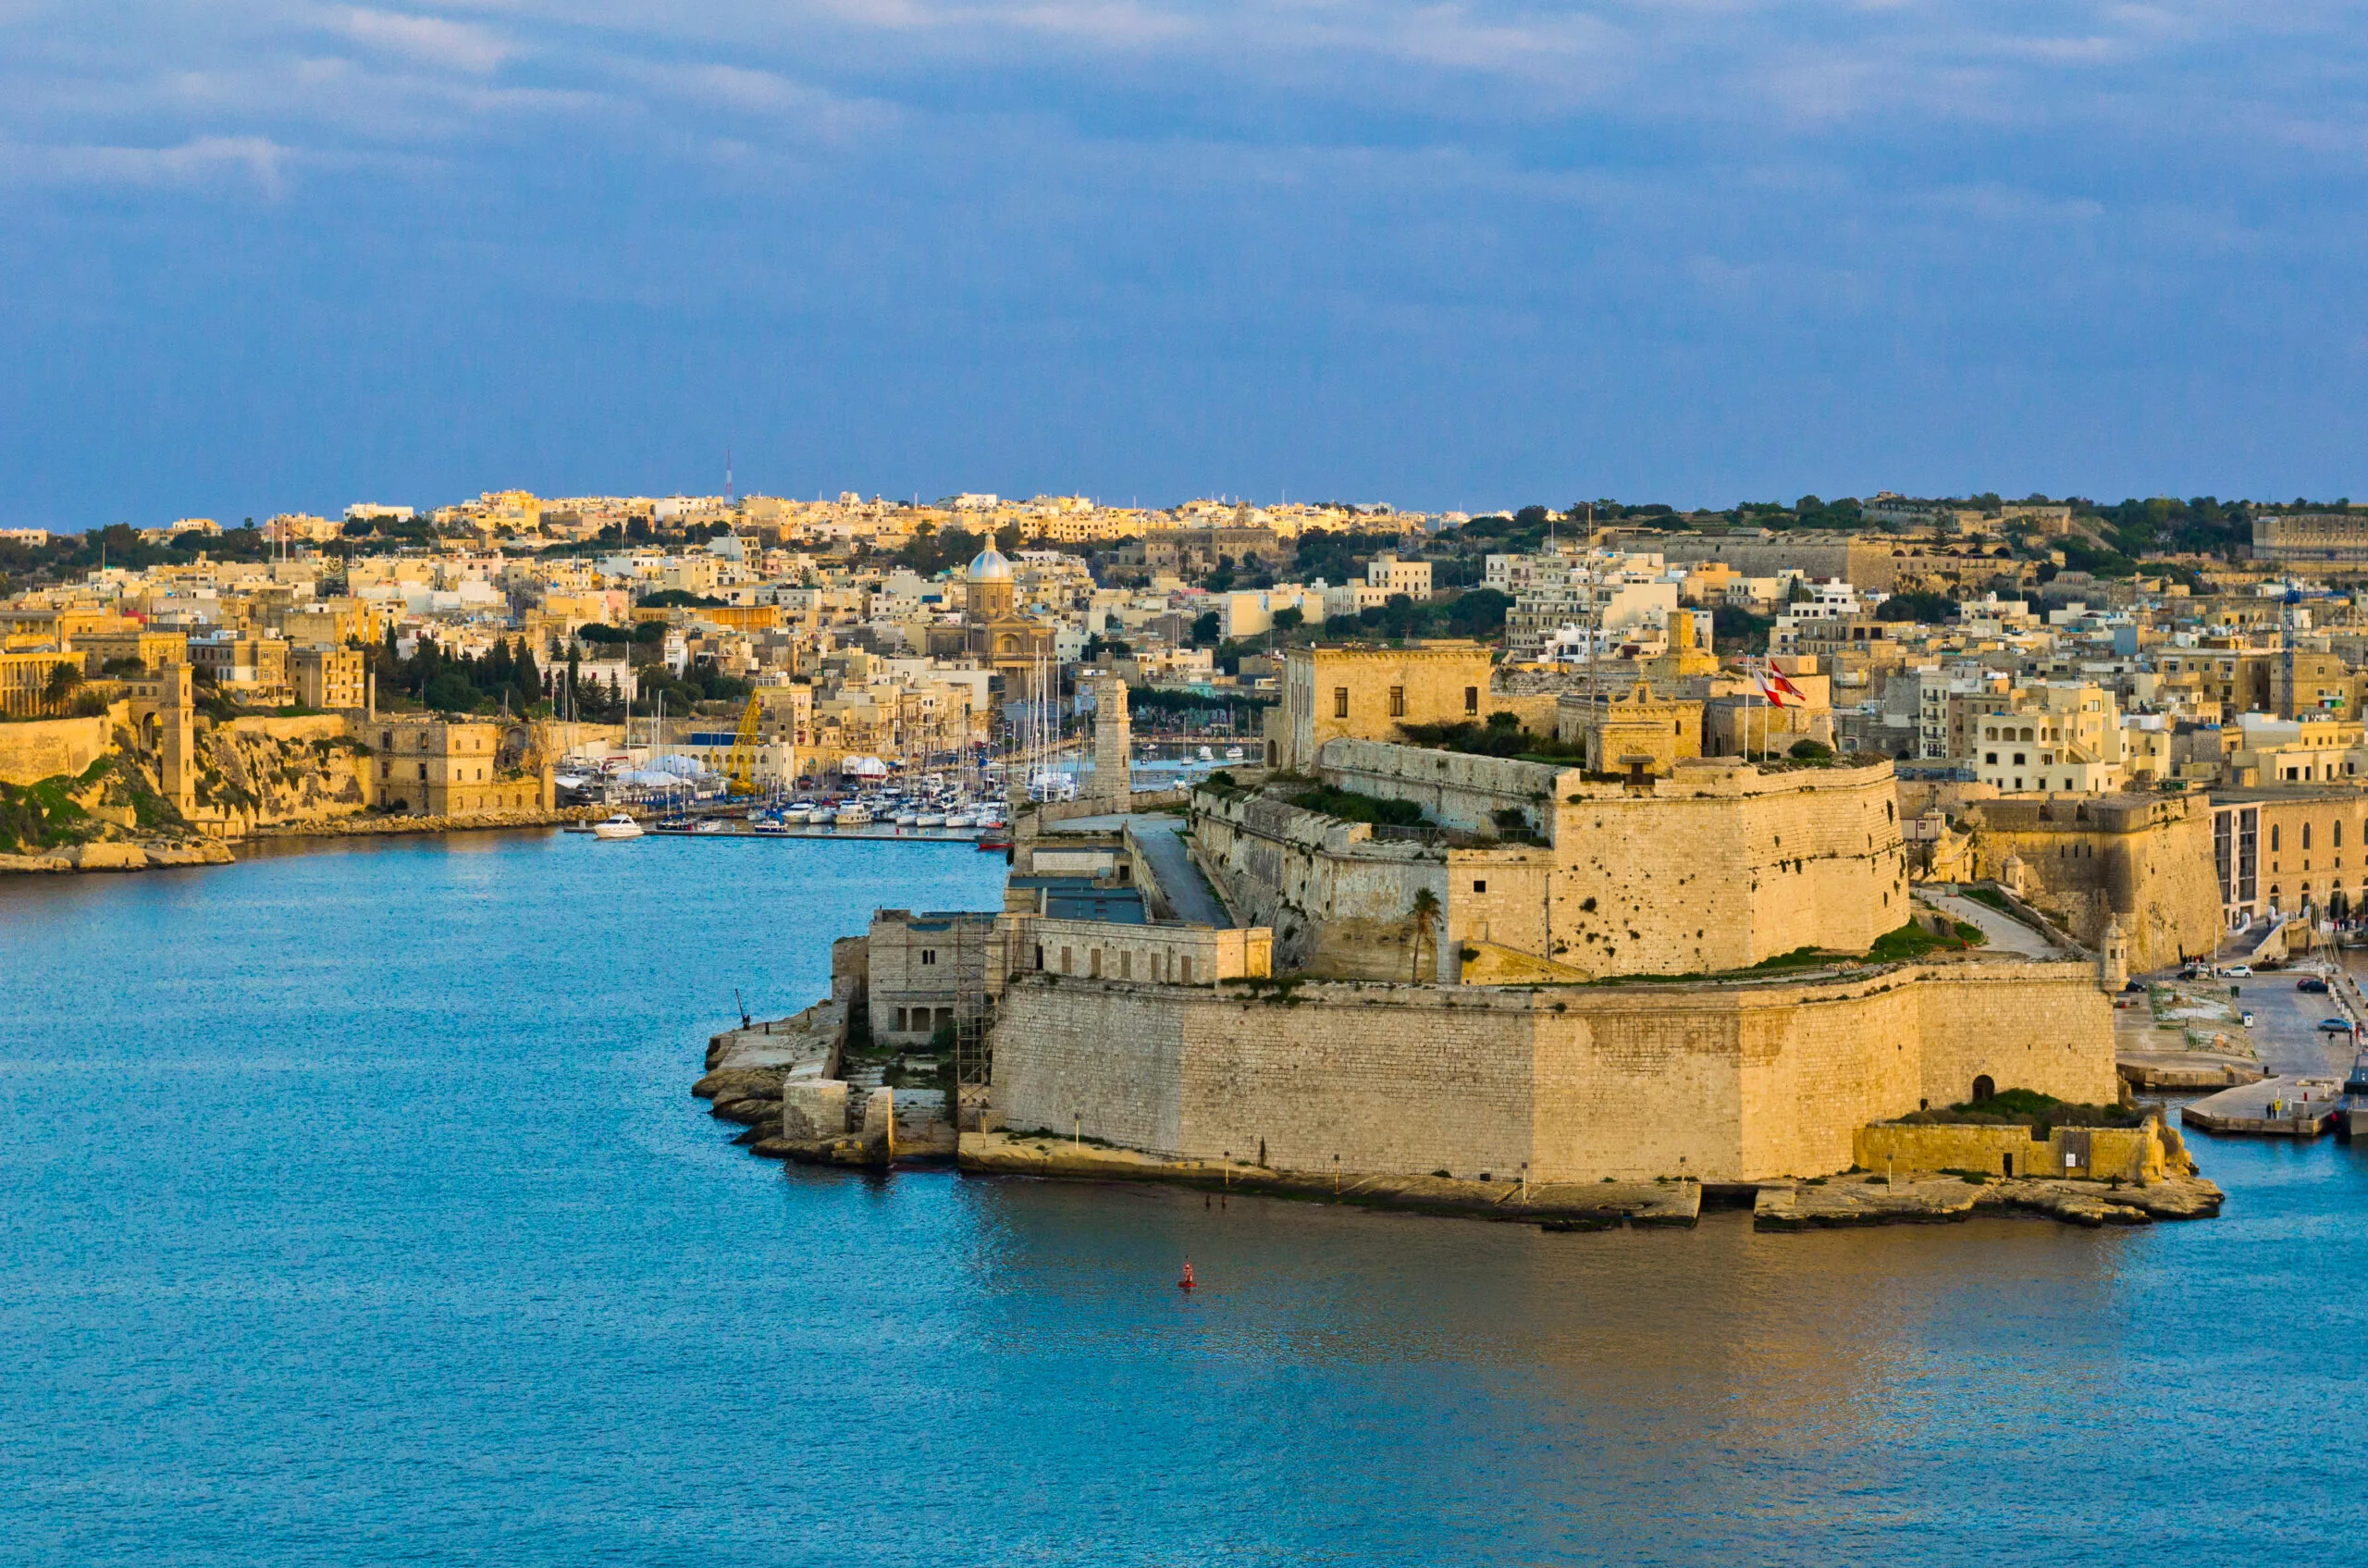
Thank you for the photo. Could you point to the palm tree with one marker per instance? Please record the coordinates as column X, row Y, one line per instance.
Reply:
column 63, row 679
column 1426, row 915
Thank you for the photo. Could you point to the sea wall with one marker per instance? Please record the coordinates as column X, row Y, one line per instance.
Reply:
column 1573, row 1083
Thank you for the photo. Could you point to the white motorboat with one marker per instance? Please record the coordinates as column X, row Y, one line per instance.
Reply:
column 709, row 824
column 854, row 815
column 1233, row 754
column 961, row 820
column 933, row 818
column 909, row 818
column 621, row 825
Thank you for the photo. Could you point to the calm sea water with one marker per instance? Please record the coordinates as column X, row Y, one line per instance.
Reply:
column 356, row 1213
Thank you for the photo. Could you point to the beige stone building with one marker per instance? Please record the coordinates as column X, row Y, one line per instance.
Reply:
column 327, row 677
column 1369, row 693
column 441, row 768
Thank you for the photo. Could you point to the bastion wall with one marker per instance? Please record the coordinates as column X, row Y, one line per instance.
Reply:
column 1577, row 1084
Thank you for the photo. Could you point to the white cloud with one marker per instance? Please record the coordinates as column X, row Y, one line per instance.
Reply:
column 462, row 46
column 204, row 160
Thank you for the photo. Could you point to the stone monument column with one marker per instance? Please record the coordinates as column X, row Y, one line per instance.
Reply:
column 1112, row 742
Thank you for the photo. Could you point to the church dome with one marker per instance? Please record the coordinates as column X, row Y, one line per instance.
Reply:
column 990, row 567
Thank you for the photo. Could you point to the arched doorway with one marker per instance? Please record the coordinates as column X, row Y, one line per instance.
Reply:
column 1983, row 1088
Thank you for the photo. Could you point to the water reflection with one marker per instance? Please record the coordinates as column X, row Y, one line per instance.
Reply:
column 359, row 1213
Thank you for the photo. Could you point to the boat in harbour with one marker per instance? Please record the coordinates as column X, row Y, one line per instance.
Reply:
column 620, row 825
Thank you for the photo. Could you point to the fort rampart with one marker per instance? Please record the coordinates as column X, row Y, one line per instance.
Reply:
column 1725, row 1082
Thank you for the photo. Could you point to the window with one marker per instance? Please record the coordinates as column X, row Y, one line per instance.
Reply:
column 1127, row 965
column 928, row 955
column 1990, row 757
column 1398, row 702
column 2306, row 835
column 1472, row 699
column 1068, row 966
column 1040, row 955
column 1339, row 702
column 900, row 1020
column 423, row 770
column 1093, row 963
column 2274, row 836
column 1187, row 972
column 1480, row 886
column 2019, row 759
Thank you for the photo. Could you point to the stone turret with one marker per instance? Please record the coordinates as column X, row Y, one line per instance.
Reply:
column 1112, row 742
column 2112, row 958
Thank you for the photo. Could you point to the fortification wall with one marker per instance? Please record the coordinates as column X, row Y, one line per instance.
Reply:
column 1720, row 867
column 1453, row 788
column 1576, row 1083
column 2146, row 858
column 42, row 748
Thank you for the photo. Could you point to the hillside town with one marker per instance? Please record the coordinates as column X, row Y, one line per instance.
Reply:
column 1897, row 802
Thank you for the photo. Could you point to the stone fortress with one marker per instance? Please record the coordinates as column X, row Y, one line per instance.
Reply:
column 1621, row 962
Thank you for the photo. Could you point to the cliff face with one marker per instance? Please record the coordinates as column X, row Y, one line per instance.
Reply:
column 264, row 772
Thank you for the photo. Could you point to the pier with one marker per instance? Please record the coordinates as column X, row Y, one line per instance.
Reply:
column 2274, row 1107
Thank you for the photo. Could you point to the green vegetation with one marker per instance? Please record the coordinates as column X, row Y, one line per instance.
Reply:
column 1990, row 896
column 2026, row 1107
column 1913, row 941
column 1923, row 604
column 1500, row 736
column 43, row 815
column 1475, row 613
column 1351, row 807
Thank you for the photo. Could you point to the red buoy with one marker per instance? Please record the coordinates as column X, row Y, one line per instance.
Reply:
column 1186, row 1283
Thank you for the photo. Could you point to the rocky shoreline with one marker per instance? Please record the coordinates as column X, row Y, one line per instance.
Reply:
column 142, row 855
column 365, row 827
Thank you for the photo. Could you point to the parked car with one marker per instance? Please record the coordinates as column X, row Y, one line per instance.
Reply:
column 2312, row 984
column 2335, row 1026
column 2238, row 971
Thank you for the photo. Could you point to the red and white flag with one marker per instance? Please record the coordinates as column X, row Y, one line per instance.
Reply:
column 1779, row 692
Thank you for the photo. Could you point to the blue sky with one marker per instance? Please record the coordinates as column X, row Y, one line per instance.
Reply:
column 259, row 256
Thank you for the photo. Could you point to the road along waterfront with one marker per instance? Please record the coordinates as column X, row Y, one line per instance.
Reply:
column 358, row 1215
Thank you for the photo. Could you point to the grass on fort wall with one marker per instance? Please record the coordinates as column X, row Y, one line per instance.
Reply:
column 2025, row 1108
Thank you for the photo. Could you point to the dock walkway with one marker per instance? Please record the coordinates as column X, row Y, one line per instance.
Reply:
column 2275, row 1107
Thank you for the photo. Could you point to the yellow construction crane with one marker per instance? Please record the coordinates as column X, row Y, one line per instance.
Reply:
column 740, row 766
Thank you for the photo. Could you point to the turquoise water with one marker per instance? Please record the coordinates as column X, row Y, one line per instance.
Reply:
column 357, row 1214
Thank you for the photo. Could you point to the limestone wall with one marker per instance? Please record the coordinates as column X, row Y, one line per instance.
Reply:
column 2145, row 857
column 1174, row 955
column 1454, row 789
column 42, row 748
column 1578, row 1082
column 2139, row 1155
column 1720, row 866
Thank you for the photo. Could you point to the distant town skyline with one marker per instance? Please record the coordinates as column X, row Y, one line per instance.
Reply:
column 264, row 257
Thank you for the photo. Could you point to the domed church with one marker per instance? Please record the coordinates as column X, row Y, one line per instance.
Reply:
column 995, row 632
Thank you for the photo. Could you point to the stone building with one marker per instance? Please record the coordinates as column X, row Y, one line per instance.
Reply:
column 452, row 768
column 327, row 677
column 926, row 970
column 2284, row 851
column 1715, row 867
column 1369, row 693
column 1631, row 731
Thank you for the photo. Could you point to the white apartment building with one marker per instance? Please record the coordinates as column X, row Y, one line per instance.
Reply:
column 2063, row 737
